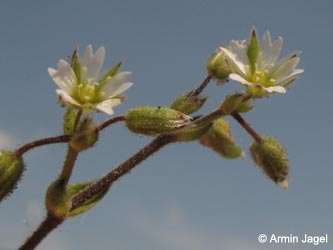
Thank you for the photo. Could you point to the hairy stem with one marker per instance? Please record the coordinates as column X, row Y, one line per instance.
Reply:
column 41, row 232
column 110, row 122
column 209, row 117
column 247, row 127
column 51, row 140
column 122, row 169
column 68, row 166
column 201, row 86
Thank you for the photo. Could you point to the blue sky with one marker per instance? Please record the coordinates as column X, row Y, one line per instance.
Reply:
column 184, row 197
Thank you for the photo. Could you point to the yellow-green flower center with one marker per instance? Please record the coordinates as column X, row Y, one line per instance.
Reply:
column 86, row 92
column 262, row 78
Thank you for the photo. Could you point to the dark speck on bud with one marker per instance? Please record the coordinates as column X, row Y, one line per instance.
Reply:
column 272, row 159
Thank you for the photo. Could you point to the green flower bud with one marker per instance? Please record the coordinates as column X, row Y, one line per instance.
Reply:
column 271, row 157
column 155, row 120
column 219, row 138
column 56, row 201
column 85, row 137
column 245, row 106
column 218, row 67
column 191, row 133
column 11, row 169
column 74, row 189
column 188, row 104
column 232, row 103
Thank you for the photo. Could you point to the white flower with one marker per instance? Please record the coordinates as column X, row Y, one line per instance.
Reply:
column 255, row 64
column 82, row 86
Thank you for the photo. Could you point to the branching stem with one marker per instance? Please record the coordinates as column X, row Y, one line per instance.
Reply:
column 51, row 140
column 247, row 127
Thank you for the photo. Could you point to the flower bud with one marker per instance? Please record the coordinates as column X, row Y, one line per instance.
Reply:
column 245, row 107
column 191, row 133
column 219, row 138
column 56, row 200
column 155, row 120
column 74, row 189
column 85, row 137
column 188, row 104
column 271, row 157
column 232, row 103
column 11, row 169
column 218, row 67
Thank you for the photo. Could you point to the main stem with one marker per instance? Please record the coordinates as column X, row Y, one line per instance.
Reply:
column 122, row 169
column 42, row 231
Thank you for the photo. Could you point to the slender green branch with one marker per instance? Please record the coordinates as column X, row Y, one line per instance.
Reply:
column 111, row 121
column 122, row 169
column 247, row 127
column 41, row 232
column 201, row 86
column 68, row 166
column 51, row 140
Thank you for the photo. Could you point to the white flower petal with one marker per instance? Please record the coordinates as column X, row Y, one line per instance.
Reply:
column 269, row 53
column 107, row 105
column 87, row 57
column 234, row 62
column 239, row 48
column 287, row 81
column 125, row 86
column 285, row 68
column 112, row 85
column 282, row 60
column 93, row 63
column 277, row 89
column 240, row 79
column 67, row 98
column 64, row 77
column 285, row 78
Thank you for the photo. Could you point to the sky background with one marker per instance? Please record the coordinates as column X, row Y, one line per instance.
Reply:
column 185, row 196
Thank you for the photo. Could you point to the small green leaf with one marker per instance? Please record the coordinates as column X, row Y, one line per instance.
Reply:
column 253, row 50
column 75, row 189
column 110, row 73
column 75, row 64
